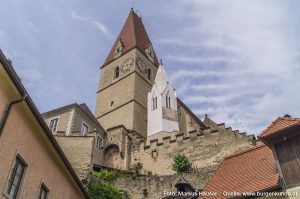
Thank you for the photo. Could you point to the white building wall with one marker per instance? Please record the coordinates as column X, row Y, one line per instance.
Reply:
column 154, row 125
column 156, row 121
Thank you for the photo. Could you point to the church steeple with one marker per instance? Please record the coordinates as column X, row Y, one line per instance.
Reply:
column 132, row 35
column 126, row 78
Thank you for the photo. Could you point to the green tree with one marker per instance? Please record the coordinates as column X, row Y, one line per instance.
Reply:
column 103, row 191
column 181, row 163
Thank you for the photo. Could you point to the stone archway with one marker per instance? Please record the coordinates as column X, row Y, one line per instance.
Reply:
column 112, row 157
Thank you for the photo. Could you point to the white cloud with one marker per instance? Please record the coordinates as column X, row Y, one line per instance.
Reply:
column 100, row 26
column 256, row 41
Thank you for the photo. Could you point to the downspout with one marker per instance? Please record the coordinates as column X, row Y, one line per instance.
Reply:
column 7, row 111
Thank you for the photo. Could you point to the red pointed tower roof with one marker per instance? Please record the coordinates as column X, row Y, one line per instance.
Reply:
column 133, row 34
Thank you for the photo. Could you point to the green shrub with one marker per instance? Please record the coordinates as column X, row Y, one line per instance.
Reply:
column 137, row 168
column 181, row 163
column 103, row 191
column 106, row 175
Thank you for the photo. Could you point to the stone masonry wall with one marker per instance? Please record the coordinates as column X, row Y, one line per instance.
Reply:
column 78, row 150
column 155, row 186
column 204, row 149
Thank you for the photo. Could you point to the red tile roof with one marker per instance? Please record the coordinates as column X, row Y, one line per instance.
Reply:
column 248, row 171
column 280, row 124
column 133, row 34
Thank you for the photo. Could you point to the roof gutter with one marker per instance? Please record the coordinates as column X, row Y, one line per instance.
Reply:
column 7, row 111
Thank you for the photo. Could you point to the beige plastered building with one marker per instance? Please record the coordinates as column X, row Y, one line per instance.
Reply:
column 32, row 165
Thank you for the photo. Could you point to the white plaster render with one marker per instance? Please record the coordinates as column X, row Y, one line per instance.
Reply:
column 159, row 120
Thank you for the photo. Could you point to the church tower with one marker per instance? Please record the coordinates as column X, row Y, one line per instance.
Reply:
column 162, row 105
column 126, row 77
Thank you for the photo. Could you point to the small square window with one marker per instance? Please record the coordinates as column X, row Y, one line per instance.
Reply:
column 43, row 192
column 84, row 129
column 16, row 176
column 53, row 125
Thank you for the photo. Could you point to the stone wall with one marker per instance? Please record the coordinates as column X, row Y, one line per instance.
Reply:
column 156, row 187
column 117, row 150
column 204, row 149
column 186, row 121
column 79, row 151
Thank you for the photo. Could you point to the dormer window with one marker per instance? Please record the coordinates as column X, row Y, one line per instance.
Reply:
column 119, row 49
column 150, row 53
column 116, row 72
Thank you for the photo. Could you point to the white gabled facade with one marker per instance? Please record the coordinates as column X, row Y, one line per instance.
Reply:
column 162, row 105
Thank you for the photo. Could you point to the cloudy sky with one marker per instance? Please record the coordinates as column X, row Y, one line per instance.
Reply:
column 237, row 61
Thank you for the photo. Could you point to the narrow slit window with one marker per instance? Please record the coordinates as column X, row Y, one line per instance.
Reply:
column 168, row 101
column 154, row 103
column 149, row 73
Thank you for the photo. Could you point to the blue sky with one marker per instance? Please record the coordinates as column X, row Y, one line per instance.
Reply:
column 237, row 61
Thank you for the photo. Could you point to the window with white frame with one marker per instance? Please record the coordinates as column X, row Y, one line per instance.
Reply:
column 53, row 125
column 15, row 179
column 99, row 143
column 84, row 129
column 43, row 192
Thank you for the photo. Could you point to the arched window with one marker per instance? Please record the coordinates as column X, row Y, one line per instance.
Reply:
column 154, row 103
column 116, row 72
column 168, row 101
column 149, row 73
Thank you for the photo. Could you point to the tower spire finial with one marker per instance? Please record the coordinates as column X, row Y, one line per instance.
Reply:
column 132, row 5
column 161, row 62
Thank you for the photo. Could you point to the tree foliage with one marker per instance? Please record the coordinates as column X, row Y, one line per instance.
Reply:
column 137, row 168
column 103, row 191
column 181, row 163
column 104, row 174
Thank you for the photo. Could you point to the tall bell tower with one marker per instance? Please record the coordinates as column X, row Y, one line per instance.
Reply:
column 126, row 78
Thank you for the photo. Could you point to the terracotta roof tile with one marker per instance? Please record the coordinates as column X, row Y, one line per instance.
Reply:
column 248, row 171
column 133, row 34
column 281, row 123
